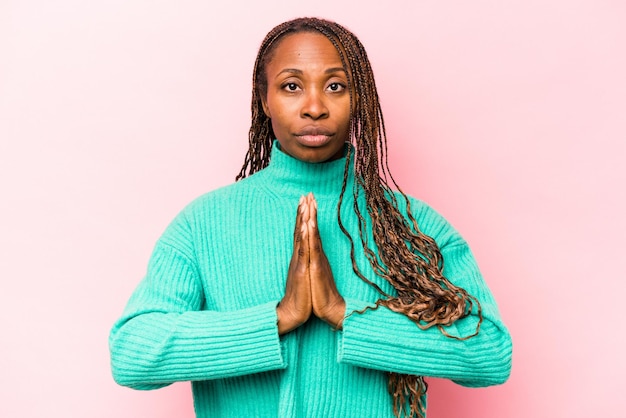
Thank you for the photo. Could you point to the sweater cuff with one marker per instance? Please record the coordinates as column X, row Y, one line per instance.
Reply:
column 250, row 342
column 357, row 338
column 160, row 348
column 377, row 338
column 385, row 340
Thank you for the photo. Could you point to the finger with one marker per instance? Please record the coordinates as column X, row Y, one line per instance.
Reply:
column 301, row 234
column 300, row 256
column 298, row 227
column 306, row 213
column 312, row 203
column 304, row 228
column 310, row 198
column 311, row 209
column 304, row 231
column 315, row 241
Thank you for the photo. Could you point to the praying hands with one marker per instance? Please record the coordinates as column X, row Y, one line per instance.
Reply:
column 310, row 285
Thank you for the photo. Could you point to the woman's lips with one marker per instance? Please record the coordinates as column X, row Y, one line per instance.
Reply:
column 314, row 137
column 313, row 140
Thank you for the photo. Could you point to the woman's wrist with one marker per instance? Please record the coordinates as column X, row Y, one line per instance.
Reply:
column 335, row 315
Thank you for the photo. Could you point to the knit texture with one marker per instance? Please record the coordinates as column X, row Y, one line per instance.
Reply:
column 206, row 310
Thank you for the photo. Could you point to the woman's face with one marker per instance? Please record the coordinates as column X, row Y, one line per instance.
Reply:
column 307, row 98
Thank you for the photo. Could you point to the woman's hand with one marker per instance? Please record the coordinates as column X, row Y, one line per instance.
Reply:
column 328, row 304
column 310, row 284
column 295, row 307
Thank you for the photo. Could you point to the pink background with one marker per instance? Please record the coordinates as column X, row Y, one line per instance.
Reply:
column 508, row 117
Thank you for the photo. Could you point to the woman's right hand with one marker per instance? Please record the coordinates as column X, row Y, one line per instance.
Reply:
column 295, row 308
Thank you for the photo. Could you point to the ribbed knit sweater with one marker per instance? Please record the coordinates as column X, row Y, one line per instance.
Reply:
column 206, row 310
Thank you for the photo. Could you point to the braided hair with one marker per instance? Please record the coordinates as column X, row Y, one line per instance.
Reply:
column 406, row 258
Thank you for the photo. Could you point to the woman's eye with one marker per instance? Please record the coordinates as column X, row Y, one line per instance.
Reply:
column 291, row 86
column 335, row 87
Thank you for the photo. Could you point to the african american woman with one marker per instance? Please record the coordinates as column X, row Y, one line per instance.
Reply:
column 312, row 286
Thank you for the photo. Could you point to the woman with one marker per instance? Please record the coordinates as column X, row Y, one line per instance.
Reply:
column 258, row 292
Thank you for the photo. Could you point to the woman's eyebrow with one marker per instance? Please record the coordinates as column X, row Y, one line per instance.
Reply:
column 335, row 70
column 290, row 70
column 300, row 72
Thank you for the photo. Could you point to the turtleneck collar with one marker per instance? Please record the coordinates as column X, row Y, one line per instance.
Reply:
column 288, row 176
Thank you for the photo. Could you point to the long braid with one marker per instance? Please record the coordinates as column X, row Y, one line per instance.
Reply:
column 405, row 257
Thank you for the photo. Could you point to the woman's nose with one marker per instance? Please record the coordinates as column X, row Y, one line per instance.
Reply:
column 314, row 106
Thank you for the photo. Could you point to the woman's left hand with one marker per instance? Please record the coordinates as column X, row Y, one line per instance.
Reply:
column 328, row 304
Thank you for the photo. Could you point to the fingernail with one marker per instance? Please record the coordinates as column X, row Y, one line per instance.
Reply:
column 301, row 200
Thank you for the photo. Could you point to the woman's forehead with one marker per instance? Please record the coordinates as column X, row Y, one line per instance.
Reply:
column 305, row 46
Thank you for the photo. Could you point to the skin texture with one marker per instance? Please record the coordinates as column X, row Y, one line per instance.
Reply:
column 307, row 98
column 310, row 285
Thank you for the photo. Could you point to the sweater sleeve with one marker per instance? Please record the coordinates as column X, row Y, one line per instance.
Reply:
column 385, row 340
column 164, row 336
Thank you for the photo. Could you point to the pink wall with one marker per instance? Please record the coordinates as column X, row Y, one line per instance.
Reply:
column 508, row 117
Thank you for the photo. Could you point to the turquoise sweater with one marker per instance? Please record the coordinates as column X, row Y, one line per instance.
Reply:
column 206, row 310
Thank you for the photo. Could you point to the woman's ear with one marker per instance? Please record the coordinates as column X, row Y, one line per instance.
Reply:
column 266, row 109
